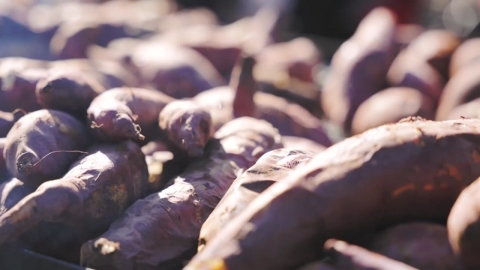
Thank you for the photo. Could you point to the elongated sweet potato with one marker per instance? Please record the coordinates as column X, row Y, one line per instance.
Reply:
column 162, row 229
column 409, row 171
column 7, row 120
column 187, row 126
column 390, row 106
column 461, row 88
column 359, row 67
column 353, row 257
column 272, row 167
column 242, row 99
column 468, row 110
column 419, row 244
column 407, row 70
column 300, row 143
column 70, row 92
column 463, row 226
column 122, row 113
column 97, row 189
column 43, row 144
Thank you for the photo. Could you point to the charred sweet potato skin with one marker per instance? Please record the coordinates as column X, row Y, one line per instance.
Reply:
column 409, row 170
column 164, row 226
column 270, row 168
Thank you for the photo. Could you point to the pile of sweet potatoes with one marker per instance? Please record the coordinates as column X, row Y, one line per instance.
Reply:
column 152, row 136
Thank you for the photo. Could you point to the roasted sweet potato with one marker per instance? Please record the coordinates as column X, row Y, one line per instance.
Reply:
column 71, row 92
column 468, row 110
column 419, row 244
column 97, row 189
column 43, row 144
column 122, row 113
column 300, row 143
column 272, row 167
column 407, row 70
column 359, row 67
column 461, row 88
column 347, row 256
column 242, row 99
column 463, row 226
column 390, row 106
column 7, row 120
column 162, row 229
column 408, row 170
column 467, row 53
column 187, row 126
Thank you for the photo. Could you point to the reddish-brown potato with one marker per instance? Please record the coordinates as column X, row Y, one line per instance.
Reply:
column 126, row 113
column 390, row 106
column 187, row 126
column 419, row 244
column 347, row 256
column 272, row 167
column 161, row 230
column 464, row 226
column 467, row 53
column 359, row 67
column 43, row 144
column 460, row 89
column 413, row 170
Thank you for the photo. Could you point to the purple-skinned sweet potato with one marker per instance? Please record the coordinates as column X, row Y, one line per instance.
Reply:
column 123, row 113
column 242, row 99
column 98, row 188
column 461, row 88
column 11, row 192
column 422, row 245
column 467, row 53
column 359, row 67
column 71, row 92
column 272, row 167
column 464, row 226
column 390, row 106
column 412, row 171
column 187, row 126
column 352, row 257
column 43, row 144
column 4, row 174
column 407, row 70
column 162, row 229
column 7, row 120
column 177, row 71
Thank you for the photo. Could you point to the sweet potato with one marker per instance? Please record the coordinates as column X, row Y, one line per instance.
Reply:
column 463, row 226
column 242, row 99
column 467, row 53
column 162, row 229
column 7, row 120
column 407, row 70
column 18, row 87
column 347, row 256
column 435, row 47
column 468, row 110
column 122, row 113
column 11, row 192
column 390, row 106
column 68, row 91
column 98, row 188
column 272, row 167
column 4, row 174
column 43, row 144
column 460, row 89
column 177, row 71
column 408, row 170
column 419, row 244
column 187, row 126
column 359, row 67
column 302, row 144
